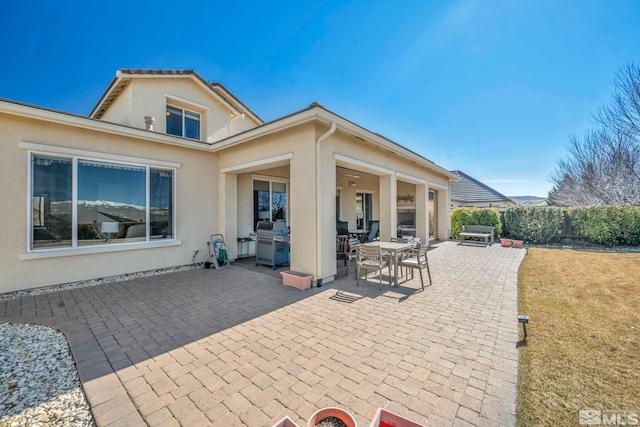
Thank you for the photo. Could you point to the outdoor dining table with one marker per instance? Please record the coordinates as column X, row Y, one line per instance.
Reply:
column 394, row 248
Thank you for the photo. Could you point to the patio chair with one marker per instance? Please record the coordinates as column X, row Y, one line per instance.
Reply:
column 342, row 227
column 374, row 228
column 370, row 258
column 403, row 254
column 341, row 248
column 353, row 245
column 417, row 259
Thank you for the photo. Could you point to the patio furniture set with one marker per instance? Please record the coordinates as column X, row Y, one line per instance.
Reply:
column 399, row 253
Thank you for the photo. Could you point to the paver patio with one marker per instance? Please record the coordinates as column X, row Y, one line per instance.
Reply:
column 236, row 347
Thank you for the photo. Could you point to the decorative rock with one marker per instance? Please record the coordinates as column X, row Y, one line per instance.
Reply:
column 39, row 383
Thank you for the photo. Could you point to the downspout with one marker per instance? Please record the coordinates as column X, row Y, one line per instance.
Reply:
column 324, row 136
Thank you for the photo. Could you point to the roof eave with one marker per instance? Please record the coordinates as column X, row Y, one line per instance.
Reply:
column 59, row 117
column 105, row 95
column 321, row 114
column 384, row 143
column 218, row 86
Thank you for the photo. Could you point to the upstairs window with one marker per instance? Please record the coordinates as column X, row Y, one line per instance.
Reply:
column 183, row 122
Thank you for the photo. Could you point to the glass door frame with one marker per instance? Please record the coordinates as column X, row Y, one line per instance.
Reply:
column 271, row 181
column 366, row 207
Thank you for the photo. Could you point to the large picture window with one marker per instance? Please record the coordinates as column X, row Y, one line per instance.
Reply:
column 183, row 122
column 79, row 202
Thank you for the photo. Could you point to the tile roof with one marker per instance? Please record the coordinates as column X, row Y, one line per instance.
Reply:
column 156, row 71
column 468, row 189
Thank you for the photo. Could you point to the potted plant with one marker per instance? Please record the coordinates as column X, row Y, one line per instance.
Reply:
column 506, row 242
column 285, row 422
column 384, row 418
column 325, row 416
column 517, row 243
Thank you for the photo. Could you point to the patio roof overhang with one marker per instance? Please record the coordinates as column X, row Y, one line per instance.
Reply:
column 315, row 112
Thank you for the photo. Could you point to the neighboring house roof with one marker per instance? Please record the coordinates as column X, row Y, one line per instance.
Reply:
column 124, row 76
column 530, row 200
column 468, row 189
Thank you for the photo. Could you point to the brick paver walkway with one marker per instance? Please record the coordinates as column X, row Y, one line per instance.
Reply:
column 235, row 347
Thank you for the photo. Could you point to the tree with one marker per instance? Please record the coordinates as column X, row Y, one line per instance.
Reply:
column 603, row 165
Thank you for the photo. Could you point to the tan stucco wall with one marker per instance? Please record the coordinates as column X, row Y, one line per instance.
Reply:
column 406, row 189
column 121, row 111
column 299, row 143
column 211, row 201
column 196, row 211
column 242, row 124
column 145, row 97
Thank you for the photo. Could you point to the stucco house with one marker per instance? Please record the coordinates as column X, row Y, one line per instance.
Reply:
column 166, row 159
column 468, row 192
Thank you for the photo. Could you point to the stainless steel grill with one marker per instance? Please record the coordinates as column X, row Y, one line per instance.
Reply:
column 272, row 246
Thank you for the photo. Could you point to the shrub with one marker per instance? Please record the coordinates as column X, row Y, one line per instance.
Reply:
column 534, row 224
column 608, row 225
column 475, row 216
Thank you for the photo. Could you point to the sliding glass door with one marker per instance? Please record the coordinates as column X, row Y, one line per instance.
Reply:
column 364, row 210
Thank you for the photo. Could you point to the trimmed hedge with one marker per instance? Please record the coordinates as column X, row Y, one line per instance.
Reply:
column 475, row 216
column 604, row 225
column 607, row 225
column 533, row 224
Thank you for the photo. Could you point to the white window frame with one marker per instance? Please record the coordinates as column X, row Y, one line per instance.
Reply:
column 184, row 112
column 372, row 193
column 35, row 149
column 271, row 180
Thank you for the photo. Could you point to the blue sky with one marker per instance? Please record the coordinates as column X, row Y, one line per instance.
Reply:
column 490, row 88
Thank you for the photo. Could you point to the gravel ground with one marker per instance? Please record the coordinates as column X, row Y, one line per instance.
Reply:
column 39, row 382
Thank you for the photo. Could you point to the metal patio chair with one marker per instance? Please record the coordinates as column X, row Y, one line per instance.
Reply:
column 352, row 253
column 417, row 259
column 370, row 258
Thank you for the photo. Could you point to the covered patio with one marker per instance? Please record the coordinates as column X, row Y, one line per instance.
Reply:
column 321, row 168
column 236, row 347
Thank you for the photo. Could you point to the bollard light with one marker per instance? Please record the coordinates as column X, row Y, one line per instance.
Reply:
column 524, row 320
